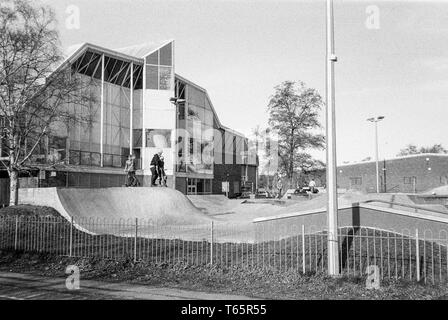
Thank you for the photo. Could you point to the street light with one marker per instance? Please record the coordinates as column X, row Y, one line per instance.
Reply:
column 332, row 193
column 376, row 120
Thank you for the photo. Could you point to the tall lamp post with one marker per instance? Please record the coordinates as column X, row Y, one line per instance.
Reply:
column 332, row 204
column 376, row 120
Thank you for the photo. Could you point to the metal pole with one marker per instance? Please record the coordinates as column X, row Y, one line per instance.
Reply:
column 135, row 239
column 211, row 243
column 175, row 141
column 417, row 255
column 414, row 182
column 332, row 204
column 71, row 237
column 376, row 158
column 16, row 232
column 303, row 250
column 102, row 114
column 131, row 110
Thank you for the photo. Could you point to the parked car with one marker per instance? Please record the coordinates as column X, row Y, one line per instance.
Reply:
column 262, row 194
column 243, row 195
column 305, row 190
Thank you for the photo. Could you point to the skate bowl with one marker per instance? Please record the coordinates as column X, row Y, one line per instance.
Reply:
column 163, row 206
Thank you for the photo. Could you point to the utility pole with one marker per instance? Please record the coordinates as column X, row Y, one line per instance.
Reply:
column 376, row 159
column 332, row 192
column 376, row 120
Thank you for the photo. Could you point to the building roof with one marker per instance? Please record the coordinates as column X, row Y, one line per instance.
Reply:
column 396, row 158
column 144, row 49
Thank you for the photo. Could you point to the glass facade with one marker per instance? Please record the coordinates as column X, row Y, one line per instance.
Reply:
column 85, row 130
column 195, row 143
column 116, row 124
column 77, row 141
column 159, row 69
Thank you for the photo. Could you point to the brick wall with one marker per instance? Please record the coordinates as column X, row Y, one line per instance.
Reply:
column 430, row 171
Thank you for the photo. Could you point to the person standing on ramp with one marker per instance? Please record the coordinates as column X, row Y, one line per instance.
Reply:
column 154, row 166
column 162, row 175
column 129, row 168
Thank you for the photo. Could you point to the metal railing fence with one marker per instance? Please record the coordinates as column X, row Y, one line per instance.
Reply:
column 409, row 254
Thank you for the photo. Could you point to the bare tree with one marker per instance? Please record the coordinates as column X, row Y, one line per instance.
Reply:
column 34, row 97
column 293, row 114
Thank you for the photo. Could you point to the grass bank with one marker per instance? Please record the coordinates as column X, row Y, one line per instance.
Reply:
column 255, row 283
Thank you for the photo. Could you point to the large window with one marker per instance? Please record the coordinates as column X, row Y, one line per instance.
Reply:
column 159, row 69
column 152, row 77
column 158, row 138
column 137, row 138
column 410, row 180
column 357, row 181
column 199, row 186
column 196, row 149
column 85, row 132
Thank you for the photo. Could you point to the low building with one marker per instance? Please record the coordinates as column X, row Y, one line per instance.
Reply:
column 409, row 174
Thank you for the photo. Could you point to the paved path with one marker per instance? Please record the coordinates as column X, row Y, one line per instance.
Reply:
column 17, row 286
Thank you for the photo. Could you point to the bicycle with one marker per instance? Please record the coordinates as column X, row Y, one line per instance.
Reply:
column 134, row 182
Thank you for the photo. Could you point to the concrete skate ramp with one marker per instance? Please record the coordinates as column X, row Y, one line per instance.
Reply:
column 164, row 206
column 319, row 201
column 214, row 204
column 440, row 191
column 430, row 225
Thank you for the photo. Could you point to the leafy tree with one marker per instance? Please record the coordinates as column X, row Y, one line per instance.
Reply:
column 413, row 149
column 437, row 148
column 294, row 116
column 263, row 147
column 33, row 98
column 408, row 150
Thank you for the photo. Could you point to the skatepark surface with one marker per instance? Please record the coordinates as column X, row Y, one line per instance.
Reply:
column 441, row 191
column 169, row 213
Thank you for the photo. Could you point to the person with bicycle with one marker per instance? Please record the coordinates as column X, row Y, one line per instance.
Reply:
column 130, row 171
column 161, row 172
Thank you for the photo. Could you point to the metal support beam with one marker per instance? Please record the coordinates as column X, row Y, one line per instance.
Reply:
column 332, row 204
column 102, row 114
column 131, row 110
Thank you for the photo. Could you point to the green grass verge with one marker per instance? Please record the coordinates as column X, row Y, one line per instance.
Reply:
column 255, row 283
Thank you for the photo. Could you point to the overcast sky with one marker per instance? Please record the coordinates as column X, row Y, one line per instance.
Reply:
column 240, row 50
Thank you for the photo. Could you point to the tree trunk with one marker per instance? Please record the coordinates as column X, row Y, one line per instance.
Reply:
column 14, row 188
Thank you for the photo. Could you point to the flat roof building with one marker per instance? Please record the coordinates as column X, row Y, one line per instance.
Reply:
column 408, row 174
